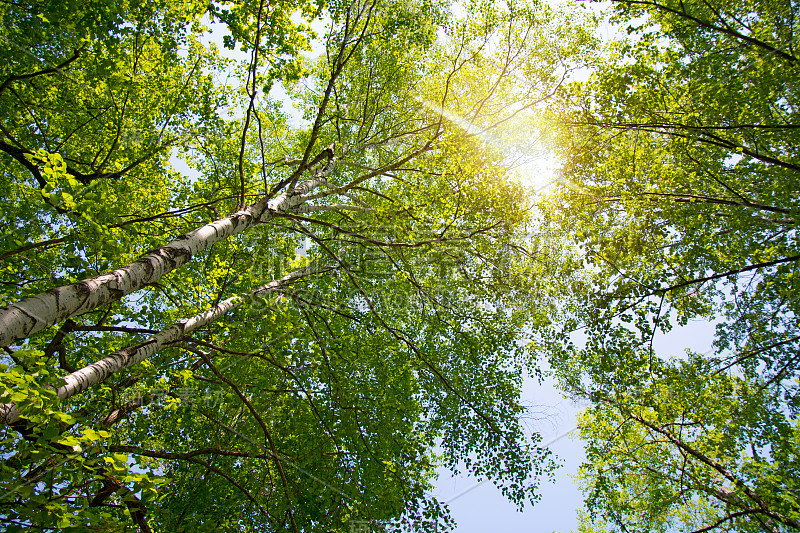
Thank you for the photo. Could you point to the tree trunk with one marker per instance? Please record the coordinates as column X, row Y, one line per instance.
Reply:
column 26, row 317
column 97, row 372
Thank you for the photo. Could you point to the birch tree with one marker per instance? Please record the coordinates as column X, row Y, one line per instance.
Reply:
column 279, row 341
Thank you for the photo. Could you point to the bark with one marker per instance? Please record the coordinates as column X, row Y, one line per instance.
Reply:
column 30, row 315
column 97, row 372
column 112, row 485
column 124, row 410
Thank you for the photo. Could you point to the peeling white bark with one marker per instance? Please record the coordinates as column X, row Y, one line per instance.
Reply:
column 97, row 372
column 26, row 317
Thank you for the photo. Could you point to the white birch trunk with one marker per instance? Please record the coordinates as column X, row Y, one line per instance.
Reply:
column 97, row 372
column 30, row 315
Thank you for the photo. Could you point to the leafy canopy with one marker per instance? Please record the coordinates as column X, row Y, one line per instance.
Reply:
column 302, row 329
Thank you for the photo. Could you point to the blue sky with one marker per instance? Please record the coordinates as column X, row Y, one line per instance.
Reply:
column 484, row 509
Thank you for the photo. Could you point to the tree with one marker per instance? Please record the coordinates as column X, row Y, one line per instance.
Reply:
column 291, row 365
column 681, row 204
column 693, row 450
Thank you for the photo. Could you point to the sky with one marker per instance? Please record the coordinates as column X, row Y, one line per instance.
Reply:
column 483, row 509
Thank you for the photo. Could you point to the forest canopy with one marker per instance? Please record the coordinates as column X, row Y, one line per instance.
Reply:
column 681, row 154
column 221, row 315
column 292, row 334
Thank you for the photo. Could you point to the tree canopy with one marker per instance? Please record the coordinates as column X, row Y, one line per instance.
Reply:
column 680, row 203
column 293, row 335
column 220, row 315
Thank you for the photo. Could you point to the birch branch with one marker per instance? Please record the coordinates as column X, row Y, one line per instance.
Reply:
column 98, row 371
